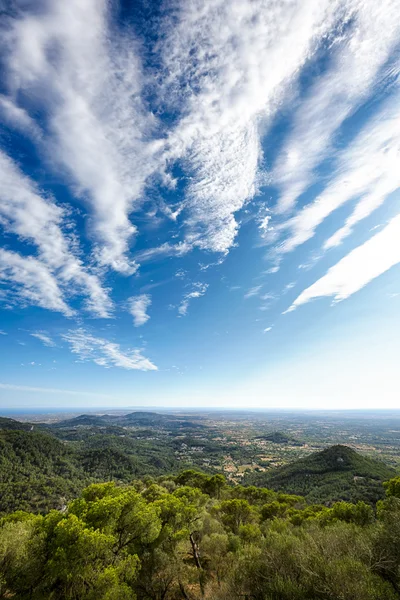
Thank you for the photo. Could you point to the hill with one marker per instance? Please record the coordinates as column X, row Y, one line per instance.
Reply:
column 337, row 473
column 82, row 421
column 39, row 472
column 6, row 423
column 36, row 471
column 134, row 419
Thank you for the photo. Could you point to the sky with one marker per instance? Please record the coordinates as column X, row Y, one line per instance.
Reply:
column 199, row 204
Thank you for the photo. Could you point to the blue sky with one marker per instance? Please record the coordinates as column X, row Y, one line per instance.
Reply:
column 199, row 204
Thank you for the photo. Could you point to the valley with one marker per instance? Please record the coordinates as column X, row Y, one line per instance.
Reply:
column 47, row 460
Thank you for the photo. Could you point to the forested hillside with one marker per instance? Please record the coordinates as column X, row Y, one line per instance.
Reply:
column 106, row 510
column 193, row 537
column 39, row 472
column 337, row 473
column 44, row 467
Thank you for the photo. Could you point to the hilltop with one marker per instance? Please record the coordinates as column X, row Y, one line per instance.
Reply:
column 337, row 473
column 39, row 471
column 134, row 419
column 6, row 423
column 43, row 464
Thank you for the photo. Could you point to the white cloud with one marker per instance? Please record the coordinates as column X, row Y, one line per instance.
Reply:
column 181, row 273
column 89, row 86
column 44, row 337
column 44, row 390
column 217, row 263
column 254, row 291
column 33, row 217
column 225, row 69
column 3, row 333
column 357, row 58
column 32, row 282
column 199, row 289
column 267, row 329
column 105, row 353
column 288, row 287
column 137, row 306
column 227, row 66
column 18, row 117
column 358, row 268
column 166, row 249
column 367, row 171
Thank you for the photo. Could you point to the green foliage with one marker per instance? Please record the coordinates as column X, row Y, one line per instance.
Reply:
column 124, row 529
column 172, row 540
column 37, row 471
column 392, row 487
column 337, row 473
column 235, row 513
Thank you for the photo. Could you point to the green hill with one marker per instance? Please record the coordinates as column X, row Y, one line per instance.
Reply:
column 6, row 423
column 36, row 471
column 39, row 471
column 134, row 419
column 82, row 421
column 337, row 473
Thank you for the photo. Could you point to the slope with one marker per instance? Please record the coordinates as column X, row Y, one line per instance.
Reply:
column 337, row 473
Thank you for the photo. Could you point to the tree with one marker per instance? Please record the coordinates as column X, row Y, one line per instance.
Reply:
column 234, row 513
column 392, row 487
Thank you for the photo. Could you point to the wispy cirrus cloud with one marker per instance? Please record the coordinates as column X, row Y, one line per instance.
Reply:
column 363, row 264
column 367, row 172
column 225, row 70
column 254, row 291
column 44, row 337
column 199, row 289
column 97, row 125
column 166, row 249
column 32, row 282
column 177, row 119
column 358, row 63
column 227, row 67
column 105, row 353
column 25, row 212
column 17, row 117
column 45, row 390
column 137, row 306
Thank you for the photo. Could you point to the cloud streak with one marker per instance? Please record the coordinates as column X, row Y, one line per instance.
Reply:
column 358, row 58
column 228, row 66
column 37, row 219
column 44, row 337
column 43, row 390
column 199, row 289
column 367, row 172
column 31, row 283
column 105, row 353
column 97, row 125
column 137, row 306
column 362, row 265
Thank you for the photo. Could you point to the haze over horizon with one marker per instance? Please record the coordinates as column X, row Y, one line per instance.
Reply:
column 199, row 204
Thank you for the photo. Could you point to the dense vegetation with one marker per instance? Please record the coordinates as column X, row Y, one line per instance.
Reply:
column 150, row 535
column 44, row 467
column 39, row 472
column 337, row 473
column 193, row 537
